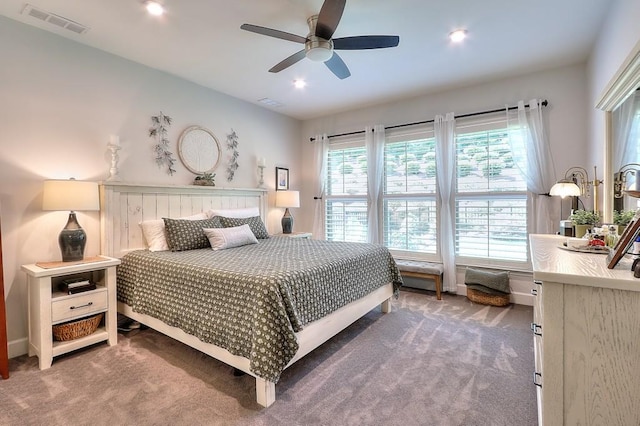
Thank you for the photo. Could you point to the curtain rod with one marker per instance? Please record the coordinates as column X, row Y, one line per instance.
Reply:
column 415, row 123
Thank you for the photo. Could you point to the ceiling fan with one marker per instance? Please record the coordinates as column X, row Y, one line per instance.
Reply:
column 318, row 44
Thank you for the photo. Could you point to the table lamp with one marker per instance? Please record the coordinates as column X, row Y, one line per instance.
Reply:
column 72, row 195
column 287, row 199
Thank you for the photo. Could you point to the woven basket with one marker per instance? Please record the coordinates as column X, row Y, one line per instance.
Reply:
column 76, row 329
column 487, row 299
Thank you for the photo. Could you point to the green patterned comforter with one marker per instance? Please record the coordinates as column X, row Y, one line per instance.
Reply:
column 251, row 300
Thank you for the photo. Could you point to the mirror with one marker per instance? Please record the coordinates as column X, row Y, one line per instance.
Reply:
column 199, row 150
column 623, row 85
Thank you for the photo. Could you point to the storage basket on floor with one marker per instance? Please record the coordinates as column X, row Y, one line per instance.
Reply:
column 76, row 329
column 487, row 299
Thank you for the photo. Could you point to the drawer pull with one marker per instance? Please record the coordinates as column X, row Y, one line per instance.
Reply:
column 537, row 376
column 537, row 282
column 534, row 291
column 81, row 306
column 536, row 328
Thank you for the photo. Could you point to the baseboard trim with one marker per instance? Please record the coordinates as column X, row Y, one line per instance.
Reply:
column 18, row 347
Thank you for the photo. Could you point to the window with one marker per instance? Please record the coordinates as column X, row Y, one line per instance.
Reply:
column 409, row 193
column 491, row 195
column 346, row 192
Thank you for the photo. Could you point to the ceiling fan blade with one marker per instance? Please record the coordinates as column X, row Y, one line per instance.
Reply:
column 338, row 67
column 329, row 18
column 365, row 42
column 273, row 33
column 298, row 56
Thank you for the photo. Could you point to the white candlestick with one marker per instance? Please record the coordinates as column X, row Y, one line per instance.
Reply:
column 262, row 162
column 114, row 140
column 114, row 174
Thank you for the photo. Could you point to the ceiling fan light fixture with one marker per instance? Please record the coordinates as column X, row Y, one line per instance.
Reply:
column 319, row 54
column 318, row 49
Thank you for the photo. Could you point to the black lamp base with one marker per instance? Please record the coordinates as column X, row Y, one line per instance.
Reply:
column 287, row 222
column 72, row 240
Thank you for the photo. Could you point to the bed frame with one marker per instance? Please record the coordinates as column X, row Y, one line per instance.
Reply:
column 125, row 205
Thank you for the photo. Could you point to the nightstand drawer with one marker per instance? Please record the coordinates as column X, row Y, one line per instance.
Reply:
column 78, row 305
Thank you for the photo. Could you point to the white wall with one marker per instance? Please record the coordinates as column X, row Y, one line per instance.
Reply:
column 567, row 128
column 60, row 101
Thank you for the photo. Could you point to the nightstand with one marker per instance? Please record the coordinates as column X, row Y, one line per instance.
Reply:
column 304, row 235
column 49, row 306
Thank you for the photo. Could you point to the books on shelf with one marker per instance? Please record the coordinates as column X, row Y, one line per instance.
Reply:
column 76, row 285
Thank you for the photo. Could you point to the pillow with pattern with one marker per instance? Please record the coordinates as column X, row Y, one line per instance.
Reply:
column 224, row 238
column 154, row 233
column 188, row 234
column 255, row 223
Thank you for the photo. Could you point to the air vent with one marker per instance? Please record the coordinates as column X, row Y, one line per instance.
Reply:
column 270, row 102
column 54, row 19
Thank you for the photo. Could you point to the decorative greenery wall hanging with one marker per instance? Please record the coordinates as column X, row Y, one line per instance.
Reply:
column 159, row 125
column 232, row 145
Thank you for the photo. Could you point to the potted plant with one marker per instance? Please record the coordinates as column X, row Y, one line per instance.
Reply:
column 205, row 179
column 583, row 220
column 622, row 219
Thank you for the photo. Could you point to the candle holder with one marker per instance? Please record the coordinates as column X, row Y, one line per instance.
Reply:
column 113, row 170
column 261, row 173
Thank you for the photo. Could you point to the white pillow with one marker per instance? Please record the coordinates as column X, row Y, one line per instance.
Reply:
column 153, row 231
column 242, row 213
column 224, row 238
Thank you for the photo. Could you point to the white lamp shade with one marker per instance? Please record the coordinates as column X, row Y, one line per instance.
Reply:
column 287, row 199
column 565, row 188
column 72, row 195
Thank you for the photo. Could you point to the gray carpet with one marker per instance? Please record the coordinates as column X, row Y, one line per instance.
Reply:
column 429, row 362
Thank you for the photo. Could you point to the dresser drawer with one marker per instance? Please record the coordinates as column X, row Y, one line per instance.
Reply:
column 78, row 305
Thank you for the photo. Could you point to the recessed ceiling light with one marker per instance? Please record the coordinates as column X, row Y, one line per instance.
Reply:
column 457, row 36
column 299, row 84
column 154, row 8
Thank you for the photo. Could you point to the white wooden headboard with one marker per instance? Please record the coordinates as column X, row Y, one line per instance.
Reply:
column 124, row 206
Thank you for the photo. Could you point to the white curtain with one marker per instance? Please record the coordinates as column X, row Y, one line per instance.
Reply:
column 527, row 136
column 626, row 132
column 320, row 152
column 444, row 130
column 374, row 142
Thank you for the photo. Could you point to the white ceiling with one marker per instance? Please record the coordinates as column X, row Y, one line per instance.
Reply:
column 201, row 41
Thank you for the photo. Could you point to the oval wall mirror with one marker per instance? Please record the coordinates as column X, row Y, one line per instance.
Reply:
column 199, row 150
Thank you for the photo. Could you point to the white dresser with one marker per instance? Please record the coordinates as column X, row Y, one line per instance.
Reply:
column 586, row 337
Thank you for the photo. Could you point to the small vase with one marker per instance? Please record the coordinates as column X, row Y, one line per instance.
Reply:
column 581, row 230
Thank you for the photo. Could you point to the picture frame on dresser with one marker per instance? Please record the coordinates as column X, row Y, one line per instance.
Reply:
column 626, row 240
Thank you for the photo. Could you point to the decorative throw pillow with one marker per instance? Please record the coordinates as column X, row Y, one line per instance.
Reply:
column 154, row 233
column 237, row 213
column 188, row 234
column 255, row 223
column 224, row 238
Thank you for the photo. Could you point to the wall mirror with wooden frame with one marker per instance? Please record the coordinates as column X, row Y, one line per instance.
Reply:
column 625, row 84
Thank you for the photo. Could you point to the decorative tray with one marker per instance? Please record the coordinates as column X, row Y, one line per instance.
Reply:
column 587, row 249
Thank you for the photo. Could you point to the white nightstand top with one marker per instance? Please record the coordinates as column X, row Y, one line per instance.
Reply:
column 62, row 268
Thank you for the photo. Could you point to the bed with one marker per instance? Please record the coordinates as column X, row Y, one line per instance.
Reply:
column 272, row 302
